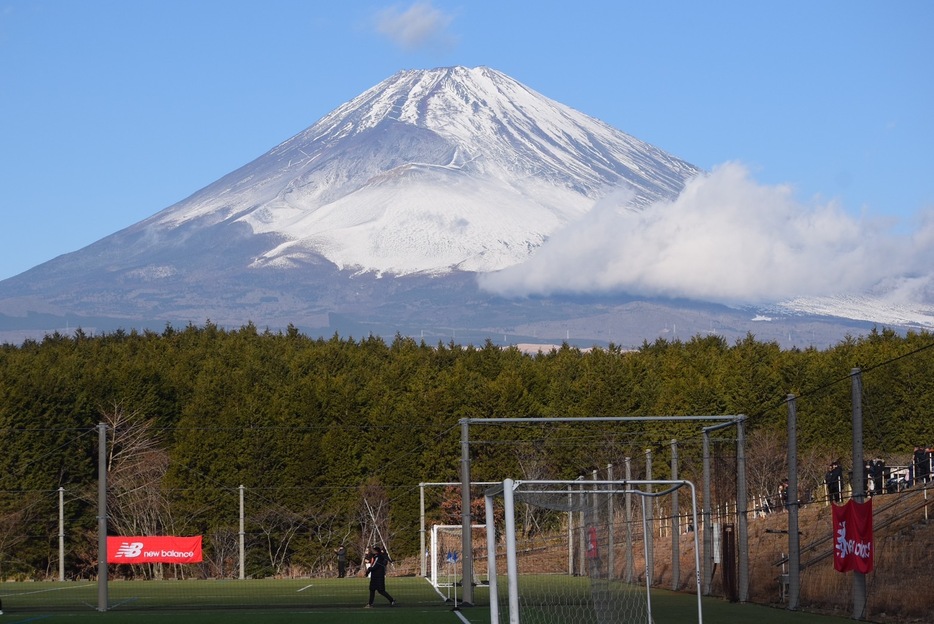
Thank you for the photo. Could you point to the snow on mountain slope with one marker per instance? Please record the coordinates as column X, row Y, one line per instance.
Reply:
column 863, row 308
column 431, row 171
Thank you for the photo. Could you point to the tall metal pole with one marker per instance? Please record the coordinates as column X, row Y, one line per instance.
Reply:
column 708, row 527
column 675, row 523
column 595, row 509
column 742, row 500
column 570, row 532
column 582, row 528
column 512, row 566
column 61, row 534
column 492, row 572
column 630, row 558
column 422, row 557
column 466, row 544
column 242, row 534
column 859, row 490
column 611, row 539
column 101, row 517
column 649, row 521
column 794, row 540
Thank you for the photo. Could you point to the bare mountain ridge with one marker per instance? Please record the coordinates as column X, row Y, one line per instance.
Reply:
column 377, row 218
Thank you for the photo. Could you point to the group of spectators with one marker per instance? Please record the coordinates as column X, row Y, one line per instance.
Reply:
column 922, row 463
column 877, row 478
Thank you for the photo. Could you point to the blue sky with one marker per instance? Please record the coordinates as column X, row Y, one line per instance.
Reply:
column 113, row 110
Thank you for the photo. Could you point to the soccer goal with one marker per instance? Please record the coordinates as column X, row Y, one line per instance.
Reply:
column 576, row 552
column 445, row 553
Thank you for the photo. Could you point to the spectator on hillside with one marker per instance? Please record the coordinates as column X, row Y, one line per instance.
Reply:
column 920, row 465
column 783, row 493
column 834, row 480
column 876, row 473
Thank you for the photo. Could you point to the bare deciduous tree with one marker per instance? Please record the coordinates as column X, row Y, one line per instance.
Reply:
column 136, row 464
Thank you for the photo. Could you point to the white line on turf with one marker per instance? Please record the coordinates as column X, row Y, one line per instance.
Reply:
column 304, row 588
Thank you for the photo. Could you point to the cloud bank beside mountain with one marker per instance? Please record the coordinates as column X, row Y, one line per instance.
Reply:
column 727, row 239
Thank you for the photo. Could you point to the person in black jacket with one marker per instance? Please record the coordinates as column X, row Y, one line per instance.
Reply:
column 341, row 553
column 377, row 574
column 834, row 479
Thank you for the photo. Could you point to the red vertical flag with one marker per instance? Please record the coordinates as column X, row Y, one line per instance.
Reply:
column 852, row 532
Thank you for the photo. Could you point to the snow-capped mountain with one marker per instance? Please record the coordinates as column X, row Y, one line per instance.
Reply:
column 378, row 218
column 431, row 171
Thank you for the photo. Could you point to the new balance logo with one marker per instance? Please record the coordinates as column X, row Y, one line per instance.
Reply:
column 129, row 550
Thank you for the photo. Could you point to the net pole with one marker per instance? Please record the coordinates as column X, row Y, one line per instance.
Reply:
column 491, row 558
column 675, row 523
column 645, row 546
column 593, row 500
column 512, row 565
column 630, row 561
column 697, row 570
column 241, row 538
column 61, row 534
column 859, row 492
column 570, row 535
column 611, row 538
column 649, row 537
column 794, row 540
column 434, row 555
column 467, row 559
column 708, row 528
column 101, row 517
column 742, row 505
column 422, row 555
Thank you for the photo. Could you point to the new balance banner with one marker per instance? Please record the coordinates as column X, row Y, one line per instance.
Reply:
column 852, row 530
column 157, row 549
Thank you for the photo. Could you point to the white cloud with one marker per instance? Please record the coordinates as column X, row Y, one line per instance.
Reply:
column 419, row 25
column 725, row 239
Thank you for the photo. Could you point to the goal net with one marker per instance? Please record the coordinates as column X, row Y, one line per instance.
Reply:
column 576, row 552
column 445, row 554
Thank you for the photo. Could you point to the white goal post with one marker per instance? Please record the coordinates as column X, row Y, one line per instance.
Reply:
column 524, row 584
column 445, row 555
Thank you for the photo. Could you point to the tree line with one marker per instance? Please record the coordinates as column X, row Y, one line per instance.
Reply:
column 330, row 438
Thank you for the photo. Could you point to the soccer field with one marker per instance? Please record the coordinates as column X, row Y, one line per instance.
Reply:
column 319, row 601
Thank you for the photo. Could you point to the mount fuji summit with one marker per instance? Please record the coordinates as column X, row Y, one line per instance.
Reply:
column 378, row 219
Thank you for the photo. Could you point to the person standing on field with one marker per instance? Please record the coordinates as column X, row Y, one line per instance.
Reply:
column 377, row 574
column 368, row 557
column 341, row 553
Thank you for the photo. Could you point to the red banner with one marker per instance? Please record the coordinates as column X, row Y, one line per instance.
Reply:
column 852, row 530
column 154, row 549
